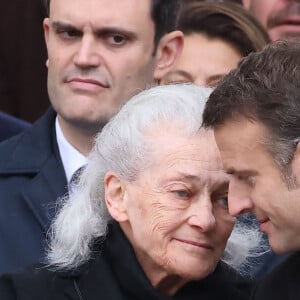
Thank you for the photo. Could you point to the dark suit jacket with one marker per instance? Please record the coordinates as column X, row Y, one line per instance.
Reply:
column 31, row 179
column 10, row 126
column 115, row 274
column 283, row 283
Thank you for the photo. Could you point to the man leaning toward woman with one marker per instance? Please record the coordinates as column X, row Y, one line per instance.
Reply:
column 149, row 217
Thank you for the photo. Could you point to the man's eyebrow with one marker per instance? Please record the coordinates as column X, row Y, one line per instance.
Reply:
column 59, row 24
column 115, row 30
column 100, row 32
column 232, row 171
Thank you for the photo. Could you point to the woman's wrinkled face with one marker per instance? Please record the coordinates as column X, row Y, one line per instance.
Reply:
column 177, row 217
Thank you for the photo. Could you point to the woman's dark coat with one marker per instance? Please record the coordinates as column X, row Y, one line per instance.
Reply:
column 115, row 275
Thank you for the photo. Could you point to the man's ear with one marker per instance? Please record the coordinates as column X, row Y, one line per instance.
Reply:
column 168, row 51
column 296, row 164
column 46, row 29
column 114, row 197
column 46, row 35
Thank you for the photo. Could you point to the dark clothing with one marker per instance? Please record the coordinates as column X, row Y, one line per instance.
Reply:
column 281, row 283
column 258, row 267
column 115, row 274
column 32, row 177
column 23, row 73
column 10, row 126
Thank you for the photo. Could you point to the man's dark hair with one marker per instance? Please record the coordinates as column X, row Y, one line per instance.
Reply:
column 164, row 14
column 264, row 88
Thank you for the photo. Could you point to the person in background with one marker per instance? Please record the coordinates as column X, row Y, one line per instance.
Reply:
column 149, row 217
column 281, row 18
column 10, row 126
column 97, row 59
column 255, row 113
column 216, row 36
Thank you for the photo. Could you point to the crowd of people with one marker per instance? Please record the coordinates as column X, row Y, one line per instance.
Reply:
column 166, row 166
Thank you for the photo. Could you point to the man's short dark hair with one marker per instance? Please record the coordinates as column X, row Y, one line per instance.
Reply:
column 164, row 14
column 265, row 88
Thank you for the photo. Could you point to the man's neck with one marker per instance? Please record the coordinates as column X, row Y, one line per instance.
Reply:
column 81, row 139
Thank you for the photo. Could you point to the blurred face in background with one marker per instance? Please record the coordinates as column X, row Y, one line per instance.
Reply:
column 281, row 18
column 204, row 61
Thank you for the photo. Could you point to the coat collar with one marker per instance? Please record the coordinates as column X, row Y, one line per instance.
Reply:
column 116, row 274
column 27, row 152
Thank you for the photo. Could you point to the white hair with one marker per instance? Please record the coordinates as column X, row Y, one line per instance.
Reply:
column 121, row 147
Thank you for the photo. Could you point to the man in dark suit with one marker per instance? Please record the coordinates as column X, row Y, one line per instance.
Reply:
column 97, row 59
column 255, row 113
column 10, row 126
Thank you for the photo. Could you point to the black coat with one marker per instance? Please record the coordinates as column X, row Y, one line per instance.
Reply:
column 114, row 274
column 283, row 283
column 32, row 177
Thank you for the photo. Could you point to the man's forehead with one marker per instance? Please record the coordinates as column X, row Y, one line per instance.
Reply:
column 241, row 132
column 239, row 142
column 135, row 8
column 135, row 18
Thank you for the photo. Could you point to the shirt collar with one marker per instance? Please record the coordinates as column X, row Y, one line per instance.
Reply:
column 71, row 158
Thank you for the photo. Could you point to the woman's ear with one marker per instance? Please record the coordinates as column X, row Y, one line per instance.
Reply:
column 168, row 51
column 114, row 197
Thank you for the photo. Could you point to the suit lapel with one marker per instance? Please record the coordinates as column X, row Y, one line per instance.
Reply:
column 42, row 192
column 35, row 155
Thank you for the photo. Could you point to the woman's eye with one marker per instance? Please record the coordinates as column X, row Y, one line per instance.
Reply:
column 182, row 193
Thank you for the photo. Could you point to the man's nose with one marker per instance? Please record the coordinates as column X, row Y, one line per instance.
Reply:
column 202, row 215
column 239, row 199
column 87, row 54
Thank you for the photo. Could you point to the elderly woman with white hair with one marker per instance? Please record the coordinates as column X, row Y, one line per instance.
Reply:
column 149, row 217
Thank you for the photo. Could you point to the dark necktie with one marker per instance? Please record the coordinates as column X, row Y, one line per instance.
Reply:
column 75, row 178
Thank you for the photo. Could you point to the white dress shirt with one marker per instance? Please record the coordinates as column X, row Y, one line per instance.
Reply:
column 71, row 158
